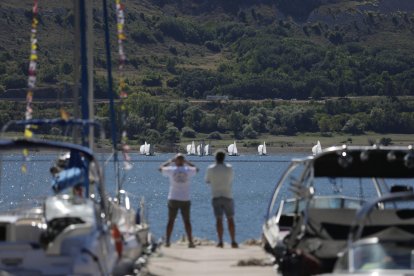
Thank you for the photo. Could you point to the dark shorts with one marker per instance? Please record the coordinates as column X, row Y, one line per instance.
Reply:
column 183, row 206
column 223, row 205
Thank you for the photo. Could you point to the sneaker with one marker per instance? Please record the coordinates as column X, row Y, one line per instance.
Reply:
column 191, row 245
column 167, row 244
column 220, row 245
column 234, row 245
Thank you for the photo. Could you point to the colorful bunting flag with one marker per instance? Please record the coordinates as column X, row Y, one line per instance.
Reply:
column 120, row 19
column 31, row 82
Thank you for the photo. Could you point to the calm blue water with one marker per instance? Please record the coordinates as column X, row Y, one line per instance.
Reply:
column 255, row 178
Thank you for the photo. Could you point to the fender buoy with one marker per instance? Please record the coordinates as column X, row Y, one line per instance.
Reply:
column 117, row 236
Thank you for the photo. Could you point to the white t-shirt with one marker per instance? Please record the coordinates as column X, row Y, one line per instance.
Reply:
column 220, row 178
column 179, row 181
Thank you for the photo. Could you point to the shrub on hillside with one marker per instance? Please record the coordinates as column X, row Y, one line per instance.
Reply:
column 185, row 31
column 152, row 80
column 213, row 46
column 15, row 81
column 215, row 135
column 188, row 132
column 249, row 132
column 172, row 135
column 143, row 36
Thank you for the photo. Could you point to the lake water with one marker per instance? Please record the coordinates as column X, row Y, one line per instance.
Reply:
column 255, row 177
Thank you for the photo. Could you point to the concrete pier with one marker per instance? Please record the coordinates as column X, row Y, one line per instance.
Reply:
column 209, row 260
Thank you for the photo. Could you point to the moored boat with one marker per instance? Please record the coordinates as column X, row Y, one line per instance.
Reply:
column 62, row 217
column 311, row 226
column 381, row 240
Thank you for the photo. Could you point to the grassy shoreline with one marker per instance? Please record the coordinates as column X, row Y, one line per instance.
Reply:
column 301, row 143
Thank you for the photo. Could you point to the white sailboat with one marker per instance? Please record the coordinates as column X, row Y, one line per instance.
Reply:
column 149, row 149
column 207, row 150
column 191, row 149
column 261, row 149
column 317, row 149
column 232, row 149
column 142, row 148
column 200, row 149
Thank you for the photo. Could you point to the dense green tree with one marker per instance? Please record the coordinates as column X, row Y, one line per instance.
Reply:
column 188, row 132
column 235, row 122
column 172, row 135
column 249, row 132
column 193, row 117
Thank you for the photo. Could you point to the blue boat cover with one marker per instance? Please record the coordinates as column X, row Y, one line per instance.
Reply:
column 68, row 178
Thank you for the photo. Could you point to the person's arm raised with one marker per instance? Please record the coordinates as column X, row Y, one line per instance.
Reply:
column 191, row 165
column 165, row 164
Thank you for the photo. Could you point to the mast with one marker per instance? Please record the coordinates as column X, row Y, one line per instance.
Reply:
column 111, row 101
column 90, row 47
column 76, row 77
column 86, row 61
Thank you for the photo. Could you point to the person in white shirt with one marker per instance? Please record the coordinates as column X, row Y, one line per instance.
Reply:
column 220, row 178
column 179, row 171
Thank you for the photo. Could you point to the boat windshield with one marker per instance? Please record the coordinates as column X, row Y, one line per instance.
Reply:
column 337, row 193
column 382, row 255
column 323, row 202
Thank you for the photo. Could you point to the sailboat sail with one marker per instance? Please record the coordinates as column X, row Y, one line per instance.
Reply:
column 317, row 149
column 193, row 148
column 260, row 149
column 188, row 149
column 149, row 149
column 142, row 149
column 199, row 151
column 207, row 149
column 230, row 149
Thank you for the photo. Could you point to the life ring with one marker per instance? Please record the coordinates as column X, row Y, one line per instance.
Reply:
column 117, row 236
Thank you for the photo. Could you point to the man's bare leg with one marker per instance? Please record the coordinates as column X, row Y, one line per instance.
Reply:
column 219, row 226
column 232, row 231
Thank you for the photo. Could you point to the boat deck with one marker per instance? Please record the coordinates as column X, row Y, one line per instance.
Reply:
column 209, row 260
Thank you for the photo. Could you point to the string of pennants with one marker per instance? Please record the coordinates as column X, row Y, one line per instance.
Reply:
column 31, row 82
column 121, row 37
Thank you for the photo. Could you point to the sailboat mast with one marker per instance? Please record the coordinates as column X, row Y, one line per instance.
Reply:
column 86, row 58
column 76, row 76
column 114, row 130
column 90, row 47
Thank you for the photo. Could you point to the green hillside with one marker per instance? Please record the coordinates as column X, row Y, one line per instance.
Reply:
column 243, row 49
column 180, row 52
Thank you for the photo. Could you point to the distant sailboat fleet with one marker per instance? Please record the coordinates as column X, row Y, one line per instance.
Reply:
column 203, row 149
column 199, row 150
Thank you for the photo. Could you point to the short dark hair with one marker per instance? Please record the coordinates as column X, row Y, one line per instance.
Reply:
column 220, row 156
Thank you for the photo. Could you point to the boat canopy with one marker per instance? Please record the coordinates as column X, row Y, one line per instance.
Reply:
column 379, row 162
